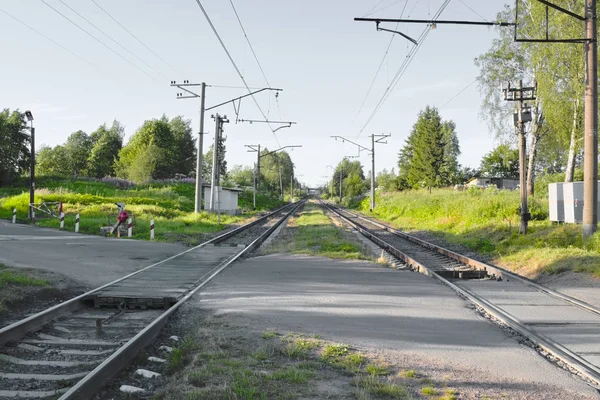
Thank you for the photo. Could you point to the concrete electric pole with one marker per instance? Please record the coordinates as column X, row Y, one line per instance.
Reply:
column 522, row 116
column 379, row 139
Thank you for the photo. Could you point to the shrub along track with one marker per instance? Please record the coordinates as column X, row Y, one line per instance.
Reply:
column 561, row 327
column 71, row 350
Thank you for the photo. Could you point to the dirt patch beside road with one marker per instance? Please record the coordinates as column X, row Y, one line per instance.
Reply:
column 27, row 291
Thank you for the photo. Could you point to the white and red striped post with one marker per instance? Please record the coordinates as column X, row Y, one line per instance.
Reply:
column 152, row 230
column 14, row 220
column 77, row 223
column 62, row 221
column 129, row 229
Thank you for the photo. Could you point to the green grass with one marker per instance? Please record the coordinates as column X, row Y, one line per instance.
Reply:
column 269, row 334
column 170, row 205
column 292, row 375
column 408, row 373
column 8, row 277
column 16, row 287
column 428, row 391
column 316, row 235
column 487, row 221
column 376, row 370
column 379, row 387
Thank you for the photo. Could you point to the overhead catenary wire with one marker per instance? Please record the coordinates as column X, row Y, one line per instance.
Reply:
column 380, row 65
column 55, row 42
column 458, row 94
column 135, row 37
column 262, row 71
column 404, row 66
column 97, row 40
column 111, row 38
column 236, row 68
column 474, row 12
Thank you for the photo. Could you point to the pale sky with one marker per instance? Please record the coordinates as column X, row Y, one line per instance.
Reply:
column 313, row 50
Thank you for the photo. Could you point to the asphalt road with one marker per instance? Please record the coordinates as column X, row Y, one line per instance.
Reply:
column 90, row 260
column 408, row 318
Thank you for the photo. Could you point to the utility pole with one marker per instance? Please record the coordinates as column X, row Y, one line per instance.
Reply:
column 192, row 95
column 292, row 187
column 590, row 41
column 341, row 173
column 29, row 117
column 280, row 183
column 590, row 153
column 379, row 139
column 200, row 156
column 254, row 185
column 522, row 116
column 216, row 175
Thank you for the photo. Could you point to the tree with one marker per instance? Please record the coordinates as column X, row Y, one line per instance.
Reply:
column 105, row 149
column 52, row 161
column 429, row 157
column 160, row 148
column 77, row 148
column 387, row 181
column 501, row 162
column 276, row 170
column 184, row 146
column 14, row 142
column 241, row 176
column 352, row 176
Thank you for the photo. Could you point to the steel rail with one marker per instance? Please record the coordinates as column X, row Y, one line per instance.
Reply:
column 96, row 379
column 496, row 270
column 573, row 360
column 34, row 322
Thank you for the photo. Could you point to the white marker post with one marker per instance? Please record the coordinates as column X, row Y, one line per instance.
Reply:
column 152, row 230
column 14, row 220
column 62, row 221
column 129, row 229
column 77, row 223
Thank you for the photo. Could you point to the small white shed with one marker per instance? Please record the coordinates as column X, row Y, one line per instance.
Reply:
column 225, row 201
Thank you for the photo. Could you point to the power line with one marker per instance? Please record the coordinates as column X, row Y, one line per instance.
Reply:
column 475, row 12
column 374, row 7
column 383, row 8
column 262, row 71
column 404, row 66
column 457, row 94
column 135, row 37
column 236, row 68
column 113, row 40
column 380, row 65
column 249, row 44
column 96, row 39
column 56, row 43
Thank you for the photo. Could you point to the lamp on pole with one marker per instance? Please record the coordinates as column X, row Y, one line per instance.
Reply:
column 29, row 117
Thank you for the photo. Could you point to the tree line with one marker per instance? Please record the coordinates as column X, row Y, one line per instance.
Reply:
column 160, row 148
column 428, row 159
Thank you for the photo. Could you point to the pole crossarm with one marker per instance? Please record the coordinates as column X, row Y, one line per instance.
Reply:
column 241, row 97
column 547, row 39
column 436, row 22
column 279, row 149
column 360, row 147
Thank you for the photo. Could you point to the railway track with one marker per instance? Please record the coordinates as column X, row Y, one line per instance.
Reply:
column 71, row 350
column 562, row 328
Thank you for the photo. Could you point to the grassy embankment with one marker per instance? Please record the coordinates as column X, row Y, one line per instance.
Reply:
column 170, row 204
column 14, row 286
column 313, row 233
column 487, row 222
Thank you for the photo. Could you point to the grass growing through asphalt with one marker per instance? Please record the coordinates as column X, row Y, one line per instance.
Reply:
column 487, row 221
column 169, row 204
column 313, row 233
